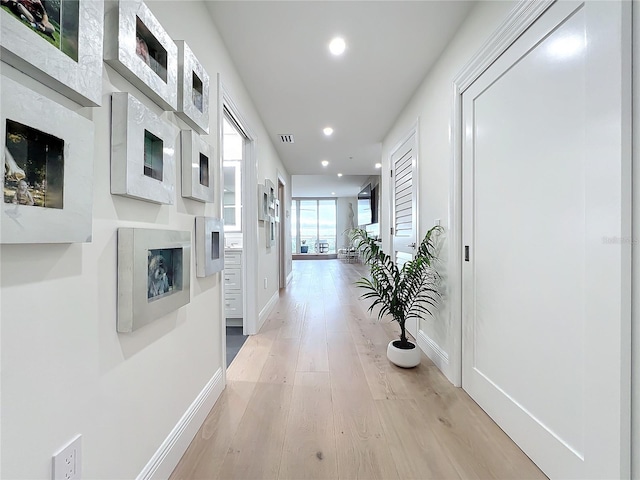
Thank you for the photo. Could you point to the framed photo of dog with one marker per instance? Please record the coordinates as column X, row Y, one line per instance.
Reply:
column 154, row 271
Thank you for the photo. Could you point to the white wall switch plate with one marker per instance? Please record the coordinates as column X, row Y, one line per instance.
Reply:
column 67, row 463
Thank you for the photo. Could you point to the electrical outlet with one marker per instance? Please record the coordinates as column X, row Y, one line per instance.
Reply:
column 67, row 463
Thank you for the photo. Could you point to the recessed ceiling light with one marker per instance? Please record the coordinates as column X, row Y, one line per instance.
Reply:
column 333, row 193
column 325, row 163
column 327, row 131
column 337, row 46
column 378, row 165
column 339, row 174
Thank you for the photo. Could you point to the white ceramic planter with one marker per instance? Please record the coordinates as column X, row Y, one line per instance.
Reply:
column 405, row 358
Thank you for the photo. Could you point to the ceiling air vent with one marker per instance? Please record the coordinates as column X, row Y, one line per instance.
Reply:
column 286, row 138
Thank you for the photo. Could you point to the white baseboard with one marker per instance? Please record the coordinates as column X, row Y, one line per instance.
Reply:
column 264, row 313
column 289, row 278
column 166, row 458
column 432, row 350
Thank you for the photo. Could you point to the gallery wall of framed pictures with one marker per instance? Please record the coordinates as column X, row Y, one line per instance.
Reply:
column 48, row 148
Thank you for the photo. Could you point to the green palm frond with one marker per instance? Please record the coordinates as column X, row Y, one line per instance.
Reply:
column 403, row 293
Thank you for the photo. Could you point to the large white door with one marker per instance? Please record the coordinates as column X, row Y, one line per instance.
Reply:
column 403, row 179
column 546, row 203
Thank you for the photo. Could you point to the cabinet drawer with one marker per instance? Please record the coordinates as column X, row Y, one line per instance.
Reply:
column 233, row 279
column 233, row 305
column 232, row 257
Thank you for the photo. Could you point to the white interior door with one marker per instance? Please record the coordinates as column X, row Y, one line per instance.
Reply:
column 546, row 297
column 403, row 179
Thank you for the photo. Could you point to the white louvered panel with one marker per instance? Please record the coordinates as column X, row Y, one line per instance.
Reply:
column 402, row 258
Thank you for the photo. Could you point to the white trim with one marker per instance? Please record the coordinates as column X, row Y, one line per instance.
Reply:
column 289, row 277
column 264, row 313
column 521, row 17
column 220, row 211
column 432, row 350
column 249, row 214
column 166, row 458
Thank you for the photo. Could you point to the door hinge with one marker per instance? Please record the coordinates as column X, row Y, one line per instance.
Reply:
column 391, row 230
column 466, row 253
column 391, row 173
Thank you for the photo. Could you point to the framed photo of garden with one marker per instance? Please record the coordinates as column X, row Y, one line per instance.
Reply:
column 57, row 42
column 47, row 151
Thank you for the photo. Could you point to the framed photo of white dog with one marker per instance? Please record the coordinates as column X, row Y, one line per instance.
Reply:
column 153, row 275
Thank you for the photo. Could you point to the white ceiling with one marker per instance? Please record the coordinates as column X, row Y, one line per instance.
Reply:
column 280, row 49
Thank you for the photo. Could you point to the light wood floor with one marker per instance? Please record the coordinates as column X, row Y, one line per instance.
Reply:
column 314, row 397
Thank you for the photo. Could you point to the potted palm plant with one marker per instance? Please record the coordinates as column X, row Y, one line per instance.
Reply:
column 403, row 292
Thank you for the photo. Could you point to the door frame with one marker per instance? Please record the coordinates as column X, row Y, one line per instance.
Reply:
column 521, row 17
column 282, row 231
column 249, row 213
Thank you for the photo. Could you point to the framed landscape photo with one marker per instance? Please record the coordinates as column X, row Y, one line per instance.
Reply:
column 209, row 246
column 57, row 42
column 143, row 164
column 47, row 152
column 142, row 51
column 198, row 167
column 193, row 90
column 154, row 271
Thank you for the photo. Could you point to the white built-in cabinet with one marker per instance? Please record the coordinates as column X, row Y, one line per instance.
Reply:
column 233, row 286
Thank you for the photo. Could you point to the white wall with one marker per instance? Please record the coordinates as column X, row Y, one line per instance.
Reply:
column 65, row 370
column 432, row 104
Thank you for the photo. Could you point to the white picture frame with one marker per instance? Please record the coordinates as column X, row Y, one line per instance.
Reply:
column 198, row 167
column 193, row 90
column 149, row 289
column 271, row 194
column 263, row 203
column 209, row 246
column 132, row 123
column 270, row 232
column 81, row 79
column 141, row 50
column 53, row 210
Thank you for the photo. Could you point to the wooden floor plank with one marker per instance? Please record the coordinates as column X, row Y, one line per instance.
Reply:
column 309, row 448
column 256, row 449
column 206, row 453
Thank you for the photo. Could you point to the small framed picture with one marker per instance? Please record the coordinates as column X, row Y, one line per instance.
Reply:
column 154, row 271
column 271, row 231
column 142, row 51
column 263, row 203
column 193, row 90
column 209, row 246
column 143, row 164
column 59, row 43
column 47, row 151
column 198, row 167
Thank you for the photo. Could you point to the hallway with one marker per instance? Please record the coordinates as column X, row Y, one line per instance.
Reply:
column 313, row 396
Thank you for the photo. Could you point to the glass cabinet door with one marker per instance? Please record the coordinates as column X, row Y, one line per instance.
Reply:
column 232, row 196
